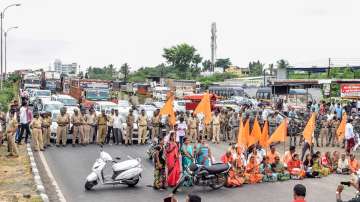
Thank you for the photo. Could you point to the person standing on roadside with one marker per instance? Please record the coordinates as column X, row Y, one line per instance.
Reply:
column 349, row 136
column 76, row 121
column 37, row 140
column 62, row 130
column 91, row 121
column 10, row 132
column 142, row 125
column 85, row 126
column 129, row 127
column 193, row 128
column 117, row 127
column 25, row 119
column 46, row 129
column 216, row 128
column 110, row 129
column 101, row 123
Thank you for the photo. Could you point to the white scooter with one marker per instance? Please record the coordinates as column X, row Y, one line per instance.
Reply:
column 127, row 172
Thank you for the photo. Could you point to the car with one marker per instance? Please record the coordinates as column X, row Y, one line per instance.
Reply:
column 149, row 109
column 104, row 105
column 179, row 105
column 39, row 94
column 69, row 102
column 48, row 105
column 124, row 107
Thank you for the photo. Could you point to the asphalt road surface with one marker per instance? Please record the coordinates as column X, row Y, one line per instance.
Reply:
column 70, row 167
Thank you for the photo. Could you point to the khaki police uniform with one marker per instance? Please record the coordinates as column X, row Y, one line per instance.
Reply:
column 323, row 131
column 334, row 126
column 101, row 121
column 193, row 133
column 46, row 123
column 10, row 132
column 155, row 131
column 37, row 134
column 77, row 120
column 142, row 123
column 129, row 129
column 91, row 122
column 62, row 129
column 216, row 128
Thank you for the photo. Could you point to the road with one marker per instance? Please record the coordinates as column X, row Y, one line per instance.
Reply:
column 70, row 166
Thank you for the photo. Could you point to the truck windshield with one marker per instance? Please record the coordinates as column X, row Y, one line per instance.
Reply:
column 43, row 93
column 68, row 102
column 97, row 95
column 30, row 81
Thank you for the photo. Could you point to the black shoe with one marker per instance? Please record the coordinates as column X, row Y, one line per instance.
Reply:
column 42, row 149
column 57, row 145
column 64, row 145
column 73, row 145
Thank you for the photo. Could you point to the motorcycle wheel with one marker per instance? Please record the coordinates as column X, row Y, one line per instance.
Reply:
column 133, row 182
column 89, row 185
column 219, row 181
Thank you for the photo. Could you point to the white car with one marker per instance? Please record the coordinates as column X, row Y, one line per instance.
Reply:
column 104, row 105
column 39, row 94
column 69, row 102
column 124, row 107
column 179, row 105
column 149, row 110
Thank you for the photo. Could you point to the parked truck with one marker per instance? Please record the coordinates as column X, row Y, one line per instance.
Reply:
column 50, row 80
column 31, row 81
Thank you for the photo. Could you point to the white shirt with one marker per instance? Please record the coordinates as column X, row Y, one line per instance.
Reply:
column 23, row 115
column 117, row 122
column 343, row 164
column 181, row 128
column 349, row 131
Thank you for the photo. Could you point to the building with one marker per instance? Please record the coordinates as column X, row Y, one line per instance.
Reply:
column 65, row 68
column 239, row 71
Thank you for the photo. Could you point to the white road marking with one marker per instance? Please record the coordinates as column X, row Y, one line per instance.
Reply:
column 49, row 173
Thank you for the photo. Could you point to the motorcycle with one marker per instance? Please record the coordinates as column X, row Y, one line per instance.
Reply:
column 126, row 172
column 214, row 176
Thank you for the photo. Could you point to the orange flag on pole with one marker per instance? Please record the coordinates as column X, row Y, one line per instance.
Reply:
column 264, row 135
column 309, row 128
column 205, row 108
column 255, row 133
column 242, row 140
column 340, row 132
column 280, row 133
column 168, row 109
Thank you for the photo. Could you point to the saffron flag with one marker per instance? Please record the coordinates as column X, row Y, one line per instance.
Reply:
column 255, row 133
column 242, row 140
column 340, row 132
column 168, row 109
column 264, row 135
column 280, row 133
column 205, row 108
column 309, row 128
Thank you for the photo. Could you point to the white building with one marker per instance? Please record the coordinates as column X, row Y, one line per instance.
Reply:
column 65, row 68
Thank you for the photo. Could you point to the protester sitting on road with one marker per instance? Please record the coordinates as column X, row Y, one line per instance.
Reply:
column 279, row 169
column 343, row 165
column 340, row 188
column 353, row 164
column 299, row 193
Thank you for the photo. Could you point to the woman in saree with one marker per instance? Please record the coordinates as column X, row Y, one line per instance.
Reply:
column 172, row 161
column 203, row 154
column 294, row 168
column 279, row 169
column 265, row 170
column 326, row 161
column 235, row 176
column 252, row 171
column 187, row 153
column 318, row 167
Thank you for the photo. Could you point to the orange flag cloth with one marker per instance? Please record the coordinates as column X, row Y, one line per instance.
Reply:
column 264, row 135
column 254, row 137
column 205, row 108
column 242, row 140
column 341, row 129
column 280, row 133
column 309, row 128
column 168, row 109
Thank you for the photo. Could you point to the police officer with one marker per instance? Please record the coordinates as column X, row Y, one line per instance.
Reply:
column 216, row 127
column 324, row 131
column 85, row 128
column 110, row 129
column 76, row 120
column 129, row 127
column 142, row 125
column 292, row 130
column 101, row 123
column 333, row 128
column 155, row 122
column 62, row 129
column 193, row 128
column 234, row 125
column 317, row 129
column 46, row 129
column 10, row 133
column 35, row 125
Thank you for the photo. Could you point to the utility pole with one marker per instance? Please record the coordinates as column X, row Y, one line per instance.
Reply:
column 328, row 72
column 213, row 46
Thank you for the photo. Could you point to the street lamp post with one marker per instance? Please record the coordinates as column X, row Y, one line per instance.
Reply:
column 5, row 36
column 1, row 40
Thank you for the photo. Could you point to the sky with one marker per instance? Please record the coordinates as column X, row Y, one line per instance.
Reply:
column 98, row 33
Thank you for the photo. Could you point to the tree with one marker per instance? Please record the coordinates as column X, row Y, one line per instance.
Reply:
column 282, row 64
column 223, row 62
column 256, row 68
column 125, row 70
column 206, row 65
column 182, row 57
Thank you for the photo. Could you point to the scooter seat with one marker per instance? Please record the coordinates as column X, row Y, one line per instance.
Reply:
column 217, row 168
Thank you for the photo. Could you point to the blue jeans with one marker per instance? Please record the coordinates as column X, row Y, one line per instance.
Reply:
column 181, row 140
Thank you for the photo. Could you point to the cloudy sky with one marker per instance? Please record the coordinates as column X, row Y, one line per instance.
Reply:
column 97, row 33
